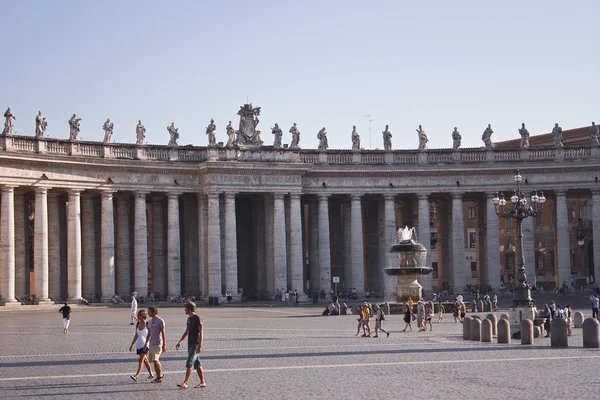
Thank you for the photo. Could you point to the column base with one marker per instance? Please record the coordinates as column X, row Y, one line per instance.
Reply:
column 44, row 302
column 10, row 303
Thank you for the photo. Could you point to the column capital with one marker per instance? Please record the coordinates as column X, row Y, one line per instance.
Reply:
column 212, row 195
column 139, row 194
column 230, row 195
column 356, row 197
column 389, row 197
column 457, row 195
column 107, row 193
column 74, row 192
column 560, row 192
column 423, row 196
column 595, row 192
column 174, row 194
column 8, row 188
column 295, row 196
column 323, row 196
column 41, row 190
column 278, row 196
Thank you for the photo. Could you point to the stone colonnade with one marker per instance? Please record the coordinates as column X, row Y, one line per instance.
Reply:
column 88, row 242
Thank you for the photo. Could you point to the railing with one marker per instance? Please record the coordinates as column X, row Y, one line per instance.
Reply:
column 310, row 156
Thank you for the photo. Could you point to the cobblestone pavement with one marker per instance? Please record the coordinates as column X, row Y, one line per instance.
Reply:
column 277, row 353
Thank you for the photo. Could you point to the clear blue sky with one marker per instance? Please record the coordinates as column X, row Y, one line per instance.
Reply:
column 318, row 63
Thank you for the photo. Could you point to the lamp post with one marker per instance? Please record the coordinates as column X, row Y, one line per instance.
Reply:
column 519, row 210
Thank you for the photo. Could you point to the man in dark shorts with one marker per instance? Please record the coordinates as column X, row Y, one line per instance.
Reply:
column 66, row 312
column 194, row 333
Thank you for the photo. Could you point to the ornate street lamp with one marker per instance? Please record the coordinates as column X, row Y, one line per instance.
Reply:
column 518, row 209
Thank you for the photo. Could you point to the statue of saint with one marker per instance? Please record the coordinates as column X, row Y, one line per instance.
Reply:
column 257, row 139
column 173, row 135
column 210, row 131
column 74, row 127
column 295, row 137
column 140, row 133
column 278, row 133
column 9, row 122
column 322, row 136
column 387, row 139
column 594, row 135
column 558, row 137
column 40, row 125
column 487, row 137
column 524, row 136
column 230, row 135
column 108, row 130
column 456, row 138
column 422, row 138
column 355, row 138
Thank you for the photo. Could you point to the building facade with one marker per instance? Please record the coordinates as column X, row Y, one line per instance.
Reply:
column 88, row 219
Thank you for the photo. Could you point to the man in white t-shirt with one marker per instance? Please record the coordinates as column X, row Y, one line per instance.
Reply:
column 133, row 310
column 595, row 305
column 459, row 298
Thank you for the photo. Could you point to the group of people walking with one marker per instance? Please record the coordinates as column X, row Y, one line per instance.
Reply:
column 366, row 314
column 150, row 341
column 423, row 317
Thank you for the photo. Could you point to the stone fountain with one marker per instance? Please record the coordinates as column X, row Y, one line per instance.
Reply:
column 410, row 264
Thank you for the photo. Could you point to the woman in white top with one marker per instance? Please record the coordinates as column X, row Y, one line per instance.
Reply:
column 139, row 339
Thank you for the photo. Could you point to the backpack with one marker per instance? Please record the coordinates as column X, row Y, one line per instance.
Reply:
column 382, row 315
column 370, row 310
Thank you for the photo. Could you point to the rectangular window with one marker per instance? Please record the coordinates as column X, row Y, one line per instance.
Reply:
column 472, row 238
column 433, row 239
column 474, row 270
column 434, row 273
column 471, row 212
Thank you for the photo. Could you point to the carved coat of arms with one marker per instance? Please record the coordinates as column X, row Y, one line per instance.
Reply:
column 247, row 133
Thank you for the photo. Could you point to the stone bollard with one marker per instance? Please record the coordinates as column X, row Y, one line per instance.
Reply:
column 486, row 331
column 527, row 331
column 494, row 321
column 467, row 328
column 591, row 333
column 343, row 309
column 476, row 316
column 476, row 330
column 473, row 306
column 578, row 319
column 504, row 316
column 559, row 333
column 480, row 306
column 387, row 308
column 503, row 331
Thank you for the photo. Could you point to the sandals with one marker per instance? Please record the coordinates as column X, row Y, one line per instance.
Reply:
column 200, row 385
column 133, row 377
column 183, row 385
column 159, row 379
column 150, row 377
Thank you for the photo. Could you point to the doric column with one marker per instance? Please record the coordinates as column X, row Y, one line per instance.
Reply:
column 40, row 246
column 458, row 244
column 202, row 224
column 279, row 242
column 313, row 245
column 563, row 246
column 493, row 243
column 140, row 245
column 424, row 235
column 123, row 246
column 54, row 259
column 159, row 277
column 7, row 245
column 347, row 244
column 390, row 282
column 21, row 254
column 529, row 250
column 358, row 259
column 88, row 245
column 296, row 258
column 324, row 246
column 231, row 267
column 596, row 232
column 107, row 247
column 214, row 246
column 74, row 245
column 173, row 243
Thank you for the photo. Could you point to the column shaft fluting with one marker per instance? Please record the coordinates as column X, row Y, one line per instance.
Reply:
column 173, row 246
column 159, row 277
column 324, row 245
column 22, row 285
column 458, row 244
column 357, row 246
column 563, row 247
column 214, row 246
column 107, row 247
column 313, row 246
column 493, row 244
column 279, row 242
column 297, row 267
column 40, row 247
column 140, row 246
column 74, row 245
column 202, row 224
column 88, row 246
column 424, row 235
column 7, row 244
column 231, row 265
